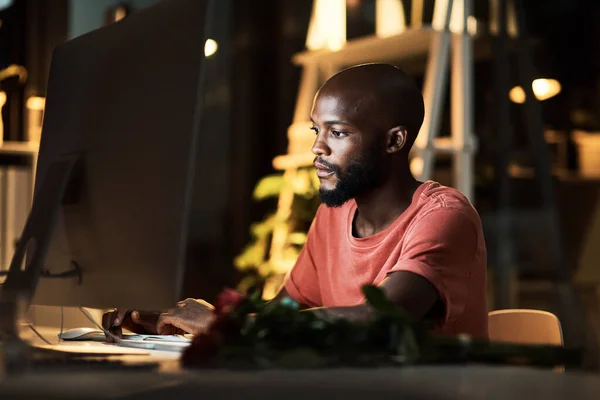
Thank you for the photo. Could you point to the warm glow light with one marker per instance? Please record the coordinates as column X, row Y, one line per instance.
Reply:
column 517, row 95
column 210, row 47
column 14, row 70
column 327, row 27
column 543, row 89
column 120, row 13
column 456, row 17
column 389, row 18
column 2, row 102
column 36, row 103
column 472, row 25
column 416, row 166
column 35, row 113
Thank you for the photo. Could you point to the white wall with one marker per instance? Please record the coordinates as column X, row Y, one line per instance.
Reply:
column 87, row 15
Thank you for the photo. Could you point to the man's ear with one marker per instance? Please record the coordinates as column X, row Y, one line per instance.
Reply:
column 396, row 139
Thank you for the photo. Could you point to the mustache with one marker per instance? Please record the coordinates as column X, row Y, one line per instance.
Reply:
column 336, row 169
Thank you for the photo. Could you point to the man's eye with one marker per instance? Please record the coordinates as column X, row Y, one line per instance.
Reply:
column 315, row 129
column 339, row 134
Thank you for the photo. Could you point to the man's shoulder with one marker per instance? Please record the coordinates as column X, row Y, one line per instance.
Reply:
column 434, row 197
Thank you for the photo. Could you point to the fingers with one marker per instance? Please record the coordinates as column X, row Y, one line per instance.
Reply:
column 108, row 324
column 135, row 316
column 186, row 302
column 169, row 324
column 190, row 315
column 142, row 322
column 120, row 317
column 147, row 320
column 108, row 318
column 116, row 331
column 164, row 324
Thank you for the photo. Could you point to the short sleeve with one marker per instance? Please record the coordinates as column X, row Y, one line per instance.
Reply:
column 302, row 281
column 441, row 248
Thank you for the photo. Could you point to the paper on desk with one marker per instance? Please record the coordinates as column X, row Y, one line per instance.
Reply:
column 98, row 336
column 161, row 338
column 155, row 345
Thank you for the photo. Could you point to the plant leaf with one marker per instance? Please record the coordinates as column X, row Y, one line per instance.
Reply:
column 262, row 229
column 269, row 186
column 298, row 238
column 252, row 256
column 301, row 183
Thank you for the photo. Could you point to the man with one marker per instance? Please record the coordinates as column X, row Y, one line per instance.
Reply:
column 422, row 243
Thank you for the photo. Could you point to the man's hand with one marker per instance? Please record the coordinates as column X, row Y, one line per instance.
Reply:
column 190, row 315
column 141, row 322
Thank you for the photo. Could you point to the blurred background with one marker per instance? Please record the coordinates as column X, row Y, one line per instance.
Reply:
column 512, row 92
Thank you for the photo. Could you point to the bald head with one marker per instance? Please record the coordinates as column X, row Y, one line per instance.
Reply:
column 377, row 97
column 366, row 119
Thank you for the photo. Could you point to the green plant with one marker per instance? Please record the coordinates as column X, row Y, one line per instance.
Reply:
column 254, row 260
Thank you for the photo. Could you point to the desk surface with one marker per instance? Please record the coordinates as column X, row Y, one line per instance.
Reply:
column 422, row 382
column 401, row 383
column 168, row 360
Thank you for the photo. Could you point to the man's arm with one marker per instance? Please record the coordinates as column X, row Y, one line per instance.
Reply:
column 432, row 271
column 282, row 294
column 407, row 290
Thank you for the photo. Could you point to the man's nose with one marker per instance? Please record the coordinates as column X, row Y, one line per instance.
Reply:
column 320, row 148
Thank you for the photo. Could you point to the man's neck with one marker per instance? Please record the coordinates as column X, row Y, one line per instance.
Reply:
column 381, row 207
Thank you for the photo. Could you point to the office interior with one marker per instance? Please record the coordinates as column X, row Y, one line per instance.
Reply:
column 542, row 251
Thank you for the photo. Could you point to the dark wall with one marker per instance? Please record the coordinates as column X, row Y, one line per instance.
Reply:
column 12, row 51
column 46, row 26
column 30, row 30
column 267, row 34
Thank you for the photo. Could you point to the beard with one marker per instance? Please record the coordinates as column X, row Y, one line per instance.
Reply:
column 362, row 175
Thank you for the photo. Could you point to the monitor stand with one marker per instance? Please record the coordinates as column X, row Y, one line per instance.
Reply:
column 28, row 261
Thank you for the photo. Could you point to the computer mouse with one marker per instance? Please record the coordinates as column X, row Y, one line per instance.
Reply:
column 81, row 334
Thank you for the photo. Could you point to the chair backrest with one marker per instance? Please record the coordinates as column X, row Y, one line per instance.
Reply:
column 525, row 327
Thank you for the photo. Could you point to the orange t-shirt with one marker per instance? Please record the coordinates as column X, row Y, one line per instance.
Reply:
column 438, row 237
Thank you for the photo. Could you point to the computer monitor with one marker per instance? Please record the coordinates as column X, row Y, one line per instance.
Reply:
column 121, row 132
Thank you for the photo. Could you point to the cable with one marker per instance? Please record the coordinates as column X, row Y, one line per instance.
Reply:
column 30, row 325
column 74, row 272
column 62, row 323
column 106, row 332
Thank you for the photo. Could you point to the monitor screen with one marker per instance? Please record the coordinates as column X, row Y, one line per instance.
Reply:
column 125, row 103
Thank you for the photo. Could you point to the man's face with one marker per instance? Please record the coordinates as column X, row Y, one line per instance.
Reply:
column 348, row 160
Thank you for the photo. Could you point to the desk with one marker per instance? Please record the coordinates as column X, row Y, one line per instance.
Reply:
column 505, row 383
column 421, row 382
column 168, row 361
